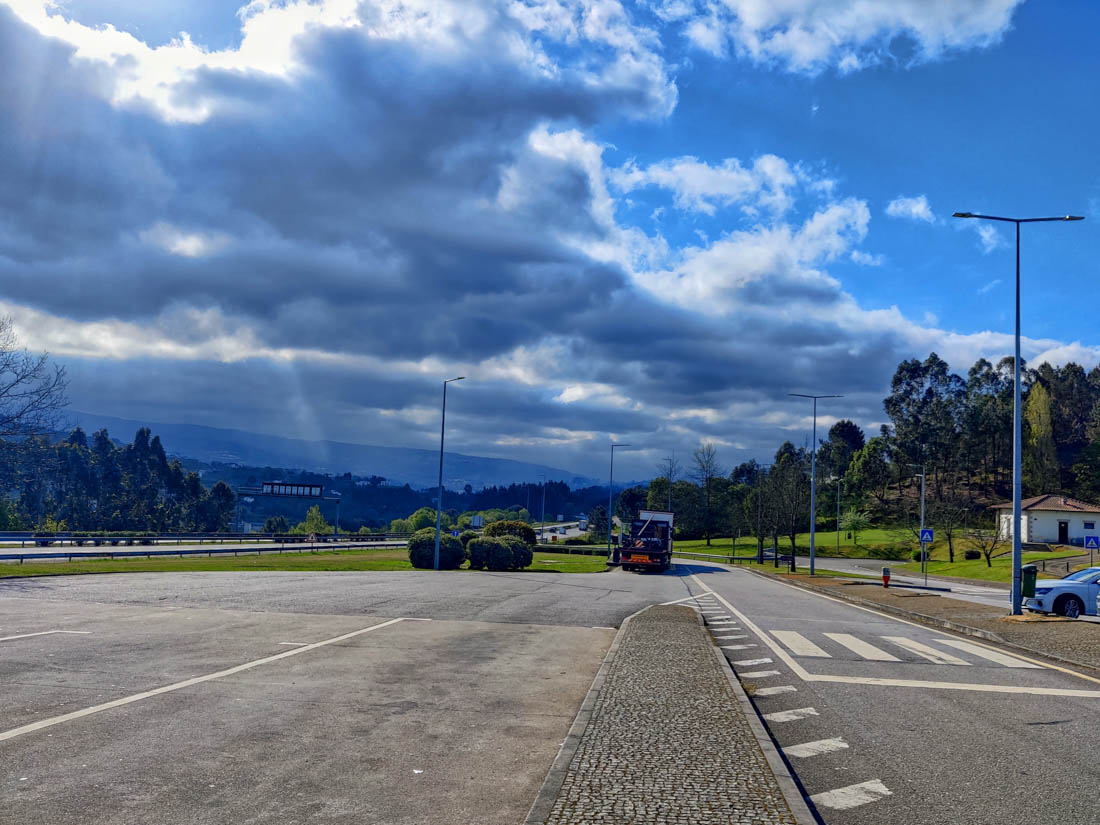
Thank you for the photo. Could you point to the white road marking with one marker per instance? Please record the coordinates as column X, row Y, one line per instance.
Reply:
column 852, row 796
column 734, row 636
column 862, row 648
column 806, row 676
column 736, row 647
column 986, row 653
column 42, row 633
column 772, row 691
column 758, row 674
column 294, row 644
column 799, row 644
column 790, row 715
column 816, row 748
column 680, row 601
column 751, row 662
column 926, row 652
column 137, row 697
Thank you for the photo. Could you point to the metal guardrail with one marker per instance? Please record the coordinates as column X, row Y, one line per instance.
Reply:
column 209, row 552
column 25, row 537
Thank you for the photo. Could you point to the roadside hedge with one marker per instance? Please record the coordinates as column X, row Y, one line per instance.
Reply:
column 972, row 555
column 477, row 549
column 522, row 554
column 520, row 529
column 466, row 536
column 422, row 550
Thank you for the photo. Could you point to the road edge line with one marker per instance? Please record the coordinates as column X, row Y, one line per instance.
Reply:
column 788, row 786
column 555, row 777
column 930, row 621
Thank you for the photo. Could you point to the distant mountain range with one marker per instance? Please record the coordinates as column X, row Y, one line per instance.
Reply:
column 398, row 465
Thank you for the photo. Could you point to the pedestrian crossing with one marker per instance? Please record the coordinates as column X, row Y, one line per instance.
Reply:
column 938, row 651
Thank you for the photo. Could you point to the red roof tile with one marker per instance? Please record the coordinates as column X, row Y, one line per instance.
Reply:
column 1061, row 504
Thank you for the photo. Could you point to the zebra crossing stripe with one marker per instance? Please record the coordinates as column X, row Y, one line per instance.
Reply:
column 862, row 648
column 817, row 748
column 790, row 715
column 799, row 644
column 851, row 796
column 926, row 652
column 986, row 653
column 772, row 691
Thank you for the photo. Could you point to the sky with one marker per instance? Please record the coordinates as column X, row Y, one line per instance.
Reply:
column 645, row 222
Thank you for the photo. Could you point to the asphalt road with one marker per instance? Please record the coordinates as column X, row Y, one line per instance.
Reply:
column 378, row 716
column 383, row 697
column 866, row 719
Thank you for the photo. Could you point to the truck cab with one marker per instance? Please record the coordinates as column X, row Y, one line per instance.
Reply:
column 649, row 545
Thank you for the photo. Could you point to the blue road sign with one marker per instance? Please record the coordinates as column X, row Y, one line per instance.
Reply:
column 454, row 533
column 1092, row 542
column 926, row 535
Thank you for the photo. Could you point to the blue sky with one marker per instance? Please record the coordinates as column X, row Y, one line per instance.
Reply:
column 647, row 221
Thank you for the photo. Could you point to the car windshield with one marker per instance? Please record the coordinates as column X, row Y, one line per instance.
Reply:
column 1082, row 575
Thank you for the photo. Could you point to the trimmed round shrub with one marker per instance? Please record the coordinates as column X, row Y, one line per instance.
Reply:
column 466, row 536
column 522, row 554
column 478, row 551
column 519, row 529
column 971, row 555
column 422, row 550
column 916, row 555
column 498, row 555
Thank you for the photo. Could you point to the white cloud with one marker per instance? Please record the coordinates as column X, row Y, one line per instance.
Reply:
column 186, row 244
column 701, row 187
column 987, row 288
column 989, row 238
column 866, row 258
column 916, row 209
column 812, row 35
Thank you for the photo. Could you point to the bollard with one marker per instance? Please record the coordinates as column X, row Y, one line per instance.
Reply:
column 886, row 577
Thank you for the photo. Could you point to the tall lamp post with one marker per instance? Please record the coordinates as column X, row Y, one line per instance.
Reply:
column 610, row 488
column 1017, row 422
column 439, row 501
column 542, row 520
column 813, row 476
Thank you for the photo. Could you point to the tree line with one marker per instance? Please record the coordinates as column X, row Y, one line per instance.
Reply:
column 956, row 429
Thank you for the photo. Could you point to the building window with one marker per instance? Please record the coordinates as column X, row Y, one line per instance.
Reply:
column 1090, row 525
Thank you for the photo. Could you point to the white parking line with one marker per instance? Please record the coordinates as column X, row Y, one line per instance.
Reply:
column 758, row 674
column 926, row 652
column 862, row 648
column 736, row 647
column 799, row 644
column 816, row 748
column 852, row 796
column 772, row 691
column 137, row 697
column 42, row 633
column 790, row 715
column 986, row 653
column 751, row 662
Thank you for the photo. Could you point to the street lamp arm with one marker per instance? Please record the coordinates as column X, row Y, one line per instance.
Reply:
column 1016, row 220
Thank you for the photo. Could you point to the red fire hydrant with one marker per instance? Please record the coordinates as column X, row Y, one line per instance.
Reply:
column 886, row 577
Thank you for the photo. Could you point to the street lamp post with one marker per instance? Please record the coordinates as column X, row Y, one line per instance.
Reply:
column 1017, row 422
column 439, row 501
column 610, row 488
column 813, row 477
column 760, row 518
column 542, row 520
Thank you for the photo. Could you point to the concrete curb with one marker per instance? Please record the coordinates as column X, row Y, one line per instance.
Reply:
column 931, row 621
column 555, row 778
column 787, row 783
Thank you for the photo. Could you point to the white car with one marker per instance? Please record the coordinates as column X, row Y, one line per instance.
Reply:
column 1071, row 596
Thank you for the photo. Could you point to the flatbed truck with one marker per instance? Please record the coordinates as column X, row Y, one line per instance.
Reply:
column 649, row 546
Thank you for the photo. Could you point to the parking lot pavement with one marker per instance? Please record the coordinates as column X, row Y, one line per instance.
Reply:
column 139, row 713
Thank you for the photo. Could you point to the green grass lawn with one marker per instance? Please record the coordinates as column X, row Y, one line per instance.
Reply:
column 824, row 541
column 1000, row 571
column 389, row 559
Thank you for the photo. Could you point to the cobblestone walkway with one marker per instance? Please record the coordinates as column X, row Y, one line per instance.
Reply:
column 668, row 742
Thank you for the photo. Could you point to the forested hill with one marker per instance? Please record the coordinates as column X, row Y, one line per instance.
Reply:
column 400, row 465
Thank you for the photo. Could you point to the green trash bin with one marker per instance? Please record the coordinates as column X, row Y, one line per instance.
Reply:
column 1028, row 573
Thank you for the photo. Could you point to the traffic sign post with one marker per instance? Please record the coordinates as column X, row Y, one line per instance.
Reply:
column 1092, row 543
column 926, row 535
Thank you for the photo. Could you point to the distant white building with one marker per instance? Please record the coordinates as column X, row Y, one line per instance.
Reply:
column 1050, row 519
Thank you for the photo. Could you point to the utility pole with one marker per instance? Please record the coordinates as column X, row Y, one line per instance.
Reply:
column 813, row 478
column 439, row 500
